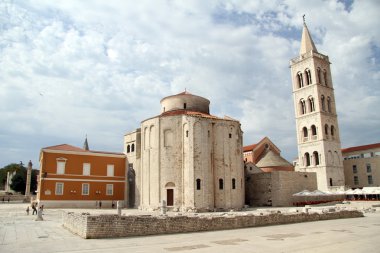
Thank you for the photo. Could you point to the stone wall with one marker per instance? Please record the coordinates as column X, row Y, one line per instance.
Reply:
column 277, row 188
column 110, row 226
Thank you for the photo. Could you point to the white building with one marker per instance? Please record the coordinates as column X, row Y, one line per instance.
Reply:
column 187, row 157
column 319, row 148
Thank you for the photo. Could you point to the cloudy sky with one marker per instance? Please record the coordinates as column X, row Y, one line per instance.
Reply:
column 71, row 68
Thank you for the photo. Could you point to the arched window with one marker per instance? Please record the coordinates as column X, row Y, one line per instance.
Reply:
column 300, row 80
column 220, row 184
column 302, row 106
column 313, row 130
column 184, row 105
column 325, row 77
column 326, row 131
column 198, row 184
column 323, row 103
column 308, row 76
column 233, row 183
column 332, row 131
column 133, row 147
column 316, row 158
column 128, row 149
column 328, row 104
column 304, row 130
column 307, row 159
column 319, row 75
column 311, row 104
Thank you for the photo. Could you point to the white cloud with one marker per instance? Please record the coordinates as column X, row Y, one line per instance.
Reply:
column 69, row 68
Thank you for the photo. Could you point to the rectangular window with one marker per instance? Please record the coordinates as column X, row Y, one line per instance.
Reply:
column 110, row 170
column 369, row 170
column 86, row 169
column 109, row 189
column 370, row 179
column 85, row 189
column 58, row 188
column 354, row 169
column 356, row 180
column 61, row 167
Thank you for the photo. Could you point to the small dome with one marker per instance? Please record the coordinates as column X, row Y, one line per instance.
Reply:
column 185, row 101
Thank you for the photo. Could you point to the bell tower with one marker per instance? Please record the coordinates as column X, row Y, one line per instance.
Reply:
column 318, row 139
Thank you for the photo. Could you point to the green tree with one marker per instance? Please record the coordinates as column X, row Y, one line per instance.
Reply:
column 19, row 180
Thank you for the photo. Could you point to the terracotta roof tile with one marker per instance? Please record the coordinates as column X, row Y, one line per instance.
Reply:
column 249, row 147
column 66, row 147
column 359, row 148
column 191, row 113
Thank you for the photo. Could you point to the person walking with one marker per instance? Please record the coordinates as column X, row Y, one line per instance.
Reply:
column 34, row 208
column 27, row 210
column 100, row 204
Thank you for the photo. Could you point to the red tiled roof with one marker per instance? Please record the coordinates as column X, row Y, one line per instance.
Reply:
column 66, row 147
column 249, row 148
column 363, row 147
column 191, row 113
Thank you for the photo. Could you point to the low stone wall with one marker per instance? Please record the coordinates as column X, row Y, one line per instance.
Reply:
column 109, row 226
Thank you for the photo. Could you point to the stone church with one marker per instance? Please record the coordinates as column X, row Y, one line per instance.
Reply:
column 319, row 148
column 187, row 157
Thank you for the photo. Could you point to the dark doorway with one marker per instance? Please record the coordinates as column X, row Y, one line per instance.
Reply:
column 169, row 197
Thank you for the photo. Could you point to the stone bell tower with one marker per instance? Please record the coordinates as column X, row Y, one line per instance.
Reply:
column 318, row 139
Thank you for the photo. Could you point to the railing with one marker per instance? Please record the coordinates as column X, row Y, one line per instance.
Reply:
column 307, row 55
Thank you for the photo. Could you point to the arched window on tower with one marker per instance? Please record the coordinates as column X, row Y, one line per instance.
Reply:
column 325, row 77
column 308, row 76
column 313, row 132
column 328, row 104
column 307, row 159
column 319, row 75
column 332, row 132
column 326, row 131
column 133, row 147
column 128, row 149
column 305, row 133
column 302, row 106
column 311, row 104
column 323, row 103
column 233, row 183
column 316, row 158
column 300, row 80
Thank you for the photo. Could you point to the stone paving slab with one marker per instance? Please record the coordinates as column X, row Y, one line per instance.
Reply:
column 21, row 233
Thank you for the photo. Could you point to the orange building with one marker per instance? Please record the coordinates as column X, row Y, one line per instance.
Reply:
column 266, row 156
column 76, row 177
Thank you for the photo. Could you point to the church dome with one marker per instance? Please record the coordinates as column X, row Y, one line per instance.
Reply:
column 185, row 101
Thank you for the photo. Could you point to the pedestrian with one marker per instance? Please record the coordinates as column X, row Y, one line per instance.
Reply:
column 8, row 199
column 100, row 204
column 113, row 204
column 27, row 210
column 34, row 208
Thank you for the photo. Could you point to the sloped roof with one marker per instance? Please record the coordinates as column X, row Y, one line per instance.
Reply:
column 249, row 147
column 67, row 147
column 271, row 159
column 359, row 148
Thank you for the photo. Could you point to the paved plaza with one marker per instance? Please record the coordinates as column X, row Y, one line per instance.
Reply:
column 21, row 233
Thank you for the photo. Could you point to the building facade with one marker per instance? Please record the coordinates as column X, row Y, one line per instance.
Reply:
column 188, row 158
column 362, row 166
column 75, row 177
column 319, row 148
column 266, row 156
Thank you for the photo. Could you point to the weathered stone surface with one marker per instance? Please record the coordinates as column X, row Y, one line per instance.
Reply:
column 109, row 226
